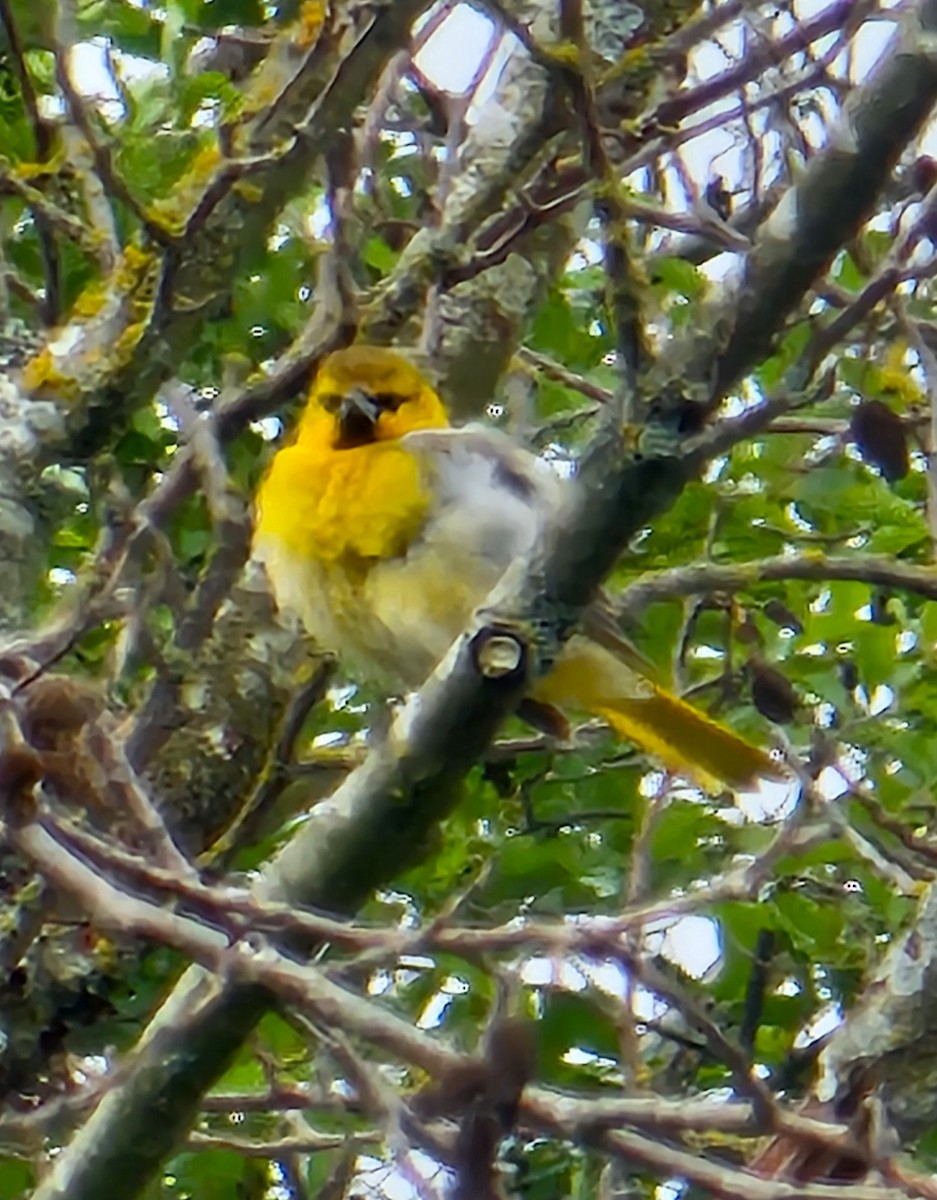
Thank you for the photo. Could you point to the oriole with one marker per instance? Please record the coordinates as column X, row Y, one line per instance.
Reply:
column 384, row 528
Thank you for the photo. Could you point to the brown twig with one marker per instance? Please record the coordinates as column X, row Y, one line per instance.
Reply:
column 275, row 775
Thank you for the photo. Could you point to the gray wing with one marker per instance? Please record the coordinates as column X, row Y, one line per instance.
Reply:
column 514, row 495
column 491, row 494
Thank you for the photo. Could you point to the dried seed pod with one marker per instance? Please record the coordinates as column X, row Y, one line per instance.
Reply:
column 55, row 711
column 718, row 197
column 782, row 616
column 880, row 435
column 881, row 613
column 849, row 674
column 20, row 771
column 773, row 694
column 55, row 708
column 922, row 174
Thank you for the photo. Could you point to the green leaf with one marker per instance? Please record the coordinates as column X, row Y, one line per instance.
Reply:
column 16, row 1178
column 574, row 1021
column 678, row 275
column 792, row 347
column 211, row 1174
column 379, row 255
column 813, row 926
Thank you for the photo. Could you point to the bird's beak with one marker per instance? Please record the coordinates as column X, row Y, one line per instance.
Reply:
column 357, row 415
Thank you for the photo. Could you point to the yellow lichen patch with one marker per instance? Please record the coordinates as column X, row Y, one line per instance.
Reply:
column 135, row 263
column 263, row 93
column 37, row 170
column 564, row 54
column 894, row 376
column 127, row 343
column 135, row 278
column 632, row 60
column 165, row 215
column 41, row 376
column 248, row 191
column 173, row 209
column 310, row 22
column 203, row 165
column 91, row 300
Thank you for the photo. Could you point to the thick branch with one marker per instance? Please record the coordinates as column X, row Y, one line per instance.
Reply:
column 830, row 202
column 891, row 1030
column 130, row 332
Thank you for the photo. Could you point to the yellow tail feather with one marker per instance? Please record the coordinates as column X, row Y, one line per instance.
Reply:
column 687, row 741
column 593, row 679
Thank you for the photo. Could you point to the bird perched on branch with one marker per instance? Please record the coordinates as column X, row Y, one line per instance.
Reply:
column 384, row 528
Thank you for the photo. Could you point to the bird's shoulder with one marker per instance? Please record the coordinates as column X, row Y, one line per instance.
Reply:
column 469, row 461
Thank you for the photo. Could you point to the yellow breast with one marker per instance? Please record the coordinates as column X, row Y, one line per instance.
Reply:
column 350, row 508
column 337, row 534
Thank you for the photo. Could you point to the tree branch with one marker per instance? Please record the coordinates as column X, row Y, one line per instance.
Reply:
column 879, row 570
column 827, row 206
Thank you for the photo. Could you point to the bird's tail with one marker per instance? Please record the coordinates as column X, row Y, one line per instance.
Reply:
column 685, row 740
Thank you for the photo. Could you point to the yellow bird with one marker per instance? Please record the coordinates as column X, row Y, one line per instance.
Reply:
column 384, row 528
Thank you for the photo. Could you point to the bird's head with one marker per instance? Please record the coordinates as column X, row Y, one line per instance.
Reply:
column 368, row 394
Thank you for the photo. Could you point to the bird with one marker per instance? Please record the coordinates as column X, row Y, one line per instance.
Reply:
column 384, row 528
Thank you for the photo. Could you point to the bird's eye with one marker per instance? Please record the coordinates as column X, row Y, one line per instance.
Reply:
column 391, row 400
column 330, row 401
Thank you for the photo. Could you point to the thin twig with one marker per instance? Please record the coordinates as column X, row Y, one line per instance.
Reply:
column 275, row 774
column 44, row 140
column 80, row 116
